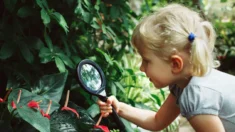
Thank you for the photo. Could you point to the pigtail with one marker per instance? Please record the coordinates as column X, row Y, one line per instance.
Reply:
column 210, row 32
column 202, row 56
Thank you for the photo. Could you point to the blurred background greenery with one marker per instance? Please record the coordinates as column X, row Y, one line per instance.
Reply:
column 42, row 37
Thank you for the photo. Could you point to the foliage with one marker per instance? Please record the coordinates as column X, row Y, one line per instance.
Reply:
column 42, row 41
column 43, row 37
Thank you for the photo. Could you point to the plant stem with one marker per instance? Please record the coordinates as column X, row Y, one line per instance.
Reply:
column 49, row 107
column 19, row 95
column 98, row 122
column 8, row 92
column 67, row 99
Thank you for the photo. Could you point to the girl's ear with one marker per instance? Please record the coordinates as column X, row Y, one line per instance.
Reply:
column 176, row 64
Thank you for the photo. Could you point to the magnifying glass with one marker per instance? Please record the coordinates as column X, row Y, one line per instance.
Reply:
column 92, row 80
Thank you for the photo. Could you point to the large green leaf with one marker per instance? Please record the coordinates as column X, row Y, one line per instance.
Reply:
column 27, row 96
column 35, row 118
column 51, row 86
column 66, row 121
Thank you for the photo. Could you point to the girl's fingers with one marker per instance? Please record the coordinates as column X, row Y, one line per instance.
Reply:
column 114, row 102
column 105, row 114
column 106, row 110
column 106, row 107
column 99, row 102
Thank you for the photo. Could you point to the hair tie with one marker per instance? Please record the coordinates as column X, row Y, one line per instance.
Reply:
column 191, row 37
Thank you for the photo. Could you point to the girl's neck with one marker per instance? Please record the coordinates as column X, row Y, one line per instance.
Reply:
column 184, row 82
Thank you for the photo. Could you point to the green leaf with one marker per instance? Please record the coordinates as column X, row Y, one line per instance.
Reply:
column 87, row 17
column 60, row 64
column 67, row 61
column 34, row 42
column 43, row 4
column 25, row 11
column 162, row 93
column 104, row 29
column 45, row 17
column 10, row 4
column 114, row 12
column 61, row 21
column 51, row 86
column 106, row 56
column 7, row 50
column 97, row 4
column 87, row 4
column 93, row 110
column 35, row 118
column 120, row 87
column 48, row 41
column 94, row 24
column 28, row 56
column 45, row 55
column 223, row 1
column 157, row 99
column 113, row 89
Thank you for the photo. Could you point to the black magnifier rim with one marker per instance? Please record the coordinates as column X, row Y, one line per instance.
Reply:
column 103, row 81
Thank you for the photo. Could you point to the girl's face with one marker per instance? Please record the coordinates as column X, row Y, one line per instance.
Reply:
column 156, row 69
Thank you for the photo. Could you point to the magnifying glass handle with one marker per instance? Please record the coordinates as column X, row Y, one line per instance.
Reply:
column 115, row 116
column 118, row 120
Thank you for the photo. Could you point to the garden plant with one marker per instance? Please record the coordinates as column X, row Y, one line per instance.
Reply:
column 41, row 43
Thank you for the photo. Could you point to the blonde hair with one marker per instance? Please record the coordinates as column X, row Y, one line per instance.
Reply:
column 166, row 32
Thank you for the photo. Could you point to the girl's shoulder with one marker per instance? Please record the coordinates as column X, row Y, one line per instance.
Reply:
column 212, row 94
column 214, row 80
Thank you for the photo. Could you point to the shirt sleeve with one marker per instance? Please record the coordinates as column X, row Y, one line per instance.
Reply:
column 196, row 100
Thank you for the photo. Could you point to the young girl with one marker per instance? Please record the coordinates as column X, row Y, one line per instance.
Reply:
column 176, row 47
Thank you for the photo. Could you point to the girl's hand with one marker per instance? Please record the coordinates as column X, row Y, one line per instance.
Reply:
column 106, row 107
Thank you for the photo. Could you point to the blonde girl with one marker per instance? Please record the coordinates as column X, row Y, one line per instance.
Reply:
column 176, row 46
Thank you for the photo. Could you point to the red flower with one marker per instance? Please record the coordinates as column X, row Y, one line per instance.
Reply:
column 48, row 110
column 33, row 104
column 70, row 109
column 1, row 100
column 13, row 105
column 45, row 115
column 102, row 127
